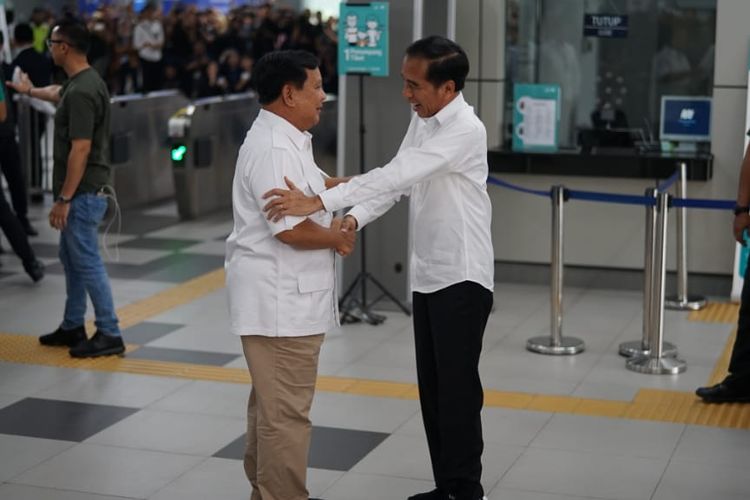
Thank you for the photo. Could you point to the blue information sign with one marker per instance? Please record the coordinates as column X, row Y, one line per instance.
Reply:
column 605, row 25
column 536, row 117
column 363, row 38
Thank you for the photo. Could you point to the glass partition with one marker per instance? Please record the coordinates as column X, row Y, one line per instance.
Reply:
column 611, row 83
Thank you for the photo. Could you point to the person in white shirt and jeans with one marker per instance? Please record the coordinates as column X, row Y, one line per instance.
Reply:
column 280, row 275
column 442, row 166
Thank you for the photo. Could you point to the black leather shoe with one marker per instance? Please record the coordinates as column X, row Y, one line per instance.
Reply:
column 35, row 270
column 62, row 337
column 723, row 393
column 435, row 494
column 98, row 345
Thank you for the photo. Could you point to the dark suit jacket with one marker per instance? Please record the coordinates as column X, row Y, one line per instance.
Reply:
column 36, row 65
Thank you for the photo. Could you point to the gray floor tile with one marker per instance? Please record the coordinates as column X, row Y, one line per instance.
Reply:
column 22, row 492
column 182, row 356
column 330, row 448
column 19, row 453
column 148, row 331
column 9, row 399
column 356, row 486
column 25, row 380
column 701, row 481
column 171, row 432
column 585, row 474
column 609, row 435
column 511, row 494
column 167, row 244
column 714, row 445
column 107, row 470
column 136, row 222
column 63, row 420
column 208, row 398
column 182, row 267
column 214, row 478
column 46, row 250
column 349, row 411
column 118, row 389
column 341, row 449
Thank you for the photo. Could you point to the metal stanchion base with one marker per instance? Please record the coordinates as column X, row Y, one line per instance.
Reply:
column 656, row 366
column 544, row 345
column 636, row 348
column 689, row 303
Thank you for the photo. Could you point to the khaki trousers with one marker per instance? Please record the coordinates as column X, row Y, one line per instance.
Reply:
column 283, row 371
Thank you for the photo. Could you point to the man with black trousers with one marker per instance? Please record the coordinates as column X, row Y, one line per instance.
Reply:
column 735, row 388
column 39, row 69
column 442, row 166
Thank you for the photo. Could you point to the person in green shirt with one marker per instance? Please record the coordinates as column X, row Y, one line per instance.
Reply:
column 81, row 179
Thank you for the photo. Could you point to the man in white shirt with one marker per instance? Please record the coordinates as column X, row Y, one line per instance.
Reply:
column 442, row 166
column 280, row 275
column 148, row 41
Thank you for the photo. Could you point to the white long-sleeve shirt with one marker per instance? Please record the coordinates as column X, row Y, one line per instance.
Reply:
column 442, row 166
column 274, row 289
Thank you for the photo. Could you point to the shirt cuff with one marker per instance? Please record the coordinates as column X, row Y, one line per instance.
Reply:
column 332, row 199
column 361, row 214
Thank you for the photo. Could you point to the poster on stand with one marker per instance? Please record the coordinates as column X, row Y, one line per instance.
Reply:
column 536, row 117
column 363, row 39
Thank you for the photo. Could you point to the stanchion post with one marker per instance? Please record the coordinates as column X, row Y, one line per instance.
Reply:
column 683, row 301
column 642, row 347
column 555, row 343
column 655, row 363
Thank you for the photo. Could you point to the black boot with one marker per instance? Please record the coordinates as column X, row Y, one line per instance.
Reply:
column 98, row 345
column 62, row 337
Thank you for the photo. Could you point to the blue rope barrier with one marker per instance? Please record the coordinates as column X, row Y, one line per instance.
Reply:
column 703, row 203
column 623, row 199
column 514, row 187
column 667, row 183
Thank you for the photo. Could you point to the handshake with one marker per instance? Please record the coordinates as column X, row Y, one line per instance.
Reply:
column 344, row 232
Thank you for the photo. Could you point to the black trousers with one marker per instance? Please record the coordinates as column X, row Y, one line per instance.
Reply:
column 448, row 330
column 739, row 364
column 14, row 231
column 152, row 74
column 10, row 163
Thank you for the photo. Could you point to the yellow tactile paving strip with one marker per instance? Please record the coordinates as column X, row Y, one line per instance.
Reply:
column 648, row 404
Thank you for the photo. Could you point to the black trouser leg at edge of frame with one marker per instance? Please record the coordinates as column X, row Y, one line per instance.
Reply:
column 739, row 364
column 448, row 329
column 14, row 231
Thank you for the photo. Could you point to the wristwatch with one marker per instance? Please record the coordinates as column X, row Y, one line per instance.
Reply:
column 63, row 199
column 740, row 209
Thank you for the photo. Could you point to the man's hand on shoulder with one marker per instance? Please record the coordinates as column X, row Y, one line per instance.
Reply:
column 290, row 202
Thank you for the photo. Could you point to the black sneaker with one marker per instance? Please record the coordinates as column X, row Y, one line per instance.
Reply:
column 35, row 270
column 98, row 345
column 62, row 337
column 435, row 494
column 723, row 393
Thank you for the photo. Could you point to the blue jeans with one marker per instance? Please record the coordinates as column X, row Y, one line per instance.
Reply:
column 84, row 269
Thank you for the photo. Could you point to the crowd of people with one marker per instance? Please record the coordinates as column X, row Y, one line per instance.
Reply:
column 199, row 52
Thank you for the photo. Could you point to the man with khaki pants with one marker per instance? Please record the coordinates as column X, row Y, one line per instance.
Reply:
column 280, row 275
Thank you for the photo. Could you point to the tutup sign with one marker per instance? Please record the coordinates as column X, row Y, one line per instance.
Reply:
column 605, row 25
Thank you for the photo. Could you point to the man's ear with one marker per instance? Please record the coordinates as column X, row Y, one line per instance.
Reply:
column 287, row 95
column 450, row 87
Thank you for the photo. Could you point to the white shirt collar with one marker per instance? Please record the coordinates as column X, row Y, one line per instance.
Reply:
column 299, row 138
column 448, row 110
